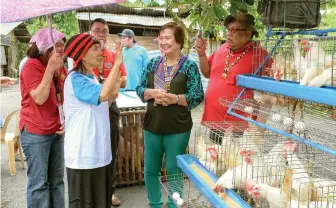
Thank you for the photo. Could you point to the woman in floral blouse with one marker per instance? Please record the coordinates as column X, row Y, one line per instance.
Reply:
column 171, row 86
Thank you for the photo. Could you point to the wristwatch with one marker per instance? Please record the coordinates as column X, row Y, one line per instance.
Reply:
column 177, row 99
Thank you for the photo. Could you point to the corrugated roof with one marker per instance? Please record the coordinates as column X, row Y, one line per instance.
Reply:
column 128, row 19
column 118, row 9
column 22, row 34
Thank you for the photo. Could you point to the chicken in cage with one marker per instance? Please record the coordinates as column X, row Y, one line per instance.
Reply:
column 194, row 187
column 219, row 145
column 309, row 60
column 239, row 154
column 310, row 120
column 266, row 158
column 308, row 182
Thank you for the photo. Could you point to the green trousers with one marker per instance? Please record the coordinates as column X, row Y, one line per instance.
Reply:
column 157, row 145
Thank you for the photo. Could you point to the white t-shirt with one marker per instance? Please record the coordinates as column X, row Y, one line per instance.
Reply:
column 87, row 142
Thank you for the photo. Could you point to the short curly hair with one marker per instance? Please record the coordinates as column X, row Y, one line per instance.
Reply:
column 178, row 32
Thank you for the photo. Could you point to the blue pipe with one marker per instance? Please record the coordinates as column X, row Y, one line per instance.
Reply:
column 316, row 32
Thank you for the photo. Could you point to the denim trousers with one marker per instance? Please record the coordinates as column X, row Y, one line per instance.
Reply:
column 45, row 169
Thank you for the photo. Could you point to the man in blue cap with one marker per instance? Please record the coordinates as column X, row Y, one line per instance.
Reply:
column 135, row 58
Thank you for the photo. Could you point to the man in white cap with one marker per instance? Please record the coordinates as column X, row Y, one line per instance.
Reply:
column 135, row 58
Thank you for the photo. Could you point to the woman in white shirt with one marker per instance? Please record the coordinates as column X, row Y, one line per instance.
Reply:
column 87, row 144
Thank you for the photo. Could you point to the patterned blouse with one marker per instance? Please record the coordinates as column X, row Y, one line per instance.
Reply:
column 187, row 81
column 195, row 94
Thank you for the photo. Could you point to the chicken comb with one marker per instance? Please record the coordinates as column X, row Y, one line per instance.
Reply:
column 250, row 184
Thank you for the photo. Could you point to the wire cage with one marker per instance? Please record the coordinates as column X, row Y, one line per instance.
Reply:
column 181, row 184
column 309, row 59
column 308, row 178
column 302, row 173
column 312, row 121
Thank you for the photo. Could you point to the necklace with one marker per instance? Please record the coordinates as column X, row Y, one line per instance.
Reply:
column 169, row 76
column 227, row 67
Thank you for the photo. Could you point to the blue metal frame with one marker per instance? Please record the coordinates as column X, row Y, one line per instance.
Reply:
column 272, row 88
column 324, row 95
column 184, row 162
column 316, row 32
column 284, row 133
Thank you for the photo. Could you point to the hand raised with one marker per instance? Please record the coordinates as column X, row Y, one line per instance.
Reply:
column 200, row 46
column 55, row 62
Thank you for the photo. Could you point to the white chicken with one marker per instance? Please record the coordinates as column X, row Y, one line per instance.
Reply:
column 274, row 196
column 209, row 158
column 276, row 162
column 301, row 185
column 319, row 70
column 250, row 168
column 310, row 74
column 237, row 146
column 206, row 154
column 214, row 156
column 300, row 63
column 326, row 77
column 278, row 199
column 251, row 139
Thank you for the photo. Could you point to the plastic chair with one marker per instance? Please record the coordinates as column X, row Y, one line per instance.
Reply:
column 10, row 138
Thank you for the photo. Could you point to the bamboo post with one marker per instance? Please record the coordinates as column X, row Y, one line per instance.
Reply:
column 138, row 155
column 119, row 163
column 130, row 119
column 126, row 138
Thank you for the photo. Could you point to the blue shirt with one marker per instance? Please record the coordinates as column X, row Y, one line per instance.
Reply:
column 85, row 90
column 135, row 60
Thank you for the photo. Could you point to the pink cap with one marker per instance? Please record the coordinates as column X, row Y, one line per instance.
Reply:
column 43, row 39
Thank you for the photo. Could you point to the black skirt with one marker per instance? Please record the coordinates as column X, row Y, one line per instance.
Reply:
column 90, row 188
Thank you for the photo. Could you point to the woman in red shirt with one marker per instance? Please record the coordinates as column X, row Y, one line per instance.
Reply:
column 40, row 121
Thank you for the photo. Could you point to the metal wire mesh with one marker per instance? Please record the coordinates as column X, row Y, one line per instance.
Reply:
column 312, row 176
column 309, row 60
column 312, row 121
column 191, row 196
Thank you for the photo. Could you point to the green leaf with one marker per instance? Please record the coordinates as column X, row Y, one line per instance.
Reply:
column 205, row 21
column 219, row 12
column 239, row 4
column 187, row 2
column 249, row 2
column 233, row 10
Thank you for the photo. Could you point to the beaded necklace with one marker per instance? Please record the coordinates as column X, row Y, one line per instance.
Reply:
column 169, row 76
column 227, row 67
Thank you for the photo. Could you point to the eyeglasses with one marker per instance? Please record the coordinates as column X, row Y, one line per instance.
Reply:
column 233, row 30
column 98, row 32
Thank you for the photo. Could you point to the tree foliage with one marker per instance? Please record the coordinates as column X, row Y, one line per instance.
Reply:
column 64, row 22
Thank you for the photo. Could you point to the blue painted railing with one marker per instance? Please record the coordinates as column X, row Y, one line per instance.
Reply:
column 184, row 162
